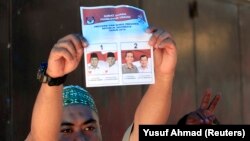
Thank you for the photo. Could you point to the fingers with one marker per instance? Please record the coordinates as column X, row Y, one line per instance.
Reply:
column 165, row 53
column 151, row 29
column 192, row 119
column 78, row 40
column 208, row 120
column 201, row 118
column 205, row 99
column 200, row 114
column 74, row 43
column 61, row 53
column 160, row 38
column 163, row 39
column 155, row 36
column 57, row 61
column 210, row 106
column 65, row 49
column 214, row 103
column 66, row 55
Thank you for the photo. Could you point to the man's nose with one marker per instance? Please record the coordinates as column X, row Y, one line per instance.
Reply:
column 80, row 137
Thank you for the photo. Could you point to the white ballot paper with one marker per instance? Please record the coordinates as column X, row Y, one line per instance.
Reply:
column 118, row 51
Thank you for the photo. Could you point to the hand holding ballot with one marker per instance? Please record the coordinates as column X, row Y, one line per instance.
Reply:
column 66, row 55
column 165, row 54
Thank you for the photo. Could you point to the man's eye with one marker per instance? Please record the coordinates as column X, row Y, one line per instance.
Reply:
column 66, row 131
column 89, row 128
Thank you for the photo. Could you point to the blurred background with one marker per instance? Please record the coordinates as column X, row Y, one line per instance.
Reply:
column 213, row 44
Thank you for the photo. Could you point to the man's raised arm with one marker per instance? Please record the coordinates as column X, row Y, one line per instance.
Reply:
column 47, row 112
column 155, row 105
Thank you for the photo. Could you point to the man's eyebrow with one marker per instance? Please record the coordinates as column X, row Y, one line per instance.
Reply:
column 91, row 120
column 66, row 124
column 86, row 122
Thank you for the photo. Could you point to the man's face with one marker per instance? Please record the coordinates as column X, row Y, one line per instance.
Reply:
column 80, row 123
column 129, row 57
column 111, row 61
column 94, row 62
column 144, row 62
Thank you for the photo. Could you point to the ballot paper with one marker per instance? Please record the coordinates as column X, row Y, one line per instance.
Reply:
column 118, row 52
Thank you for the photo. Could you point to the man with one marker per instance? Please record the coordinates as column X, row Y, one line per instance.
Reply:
column 95, row 66
column 112, row 67
column 129, row 67
column 65, row 57
column 144, row 64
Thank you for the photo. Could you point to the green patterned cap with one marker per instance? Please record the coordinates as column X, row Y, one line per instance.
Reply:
column 77, row 95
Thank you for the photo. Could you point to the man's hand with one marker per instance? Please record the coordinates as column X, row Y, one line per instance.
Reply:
column 205, row 114
column 65, row 55
column 165, row 55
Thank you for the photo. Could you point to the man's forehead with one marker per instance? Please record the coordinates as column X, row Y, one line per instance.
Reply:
column 78, row 112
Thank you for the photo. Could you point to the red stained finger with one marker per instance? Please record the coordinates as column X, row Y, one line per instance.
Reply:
column 205, row 99
column 214, row 103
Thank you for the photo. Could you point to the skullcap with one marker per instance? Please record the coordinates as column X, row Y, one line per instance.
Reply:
column 74, row 94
